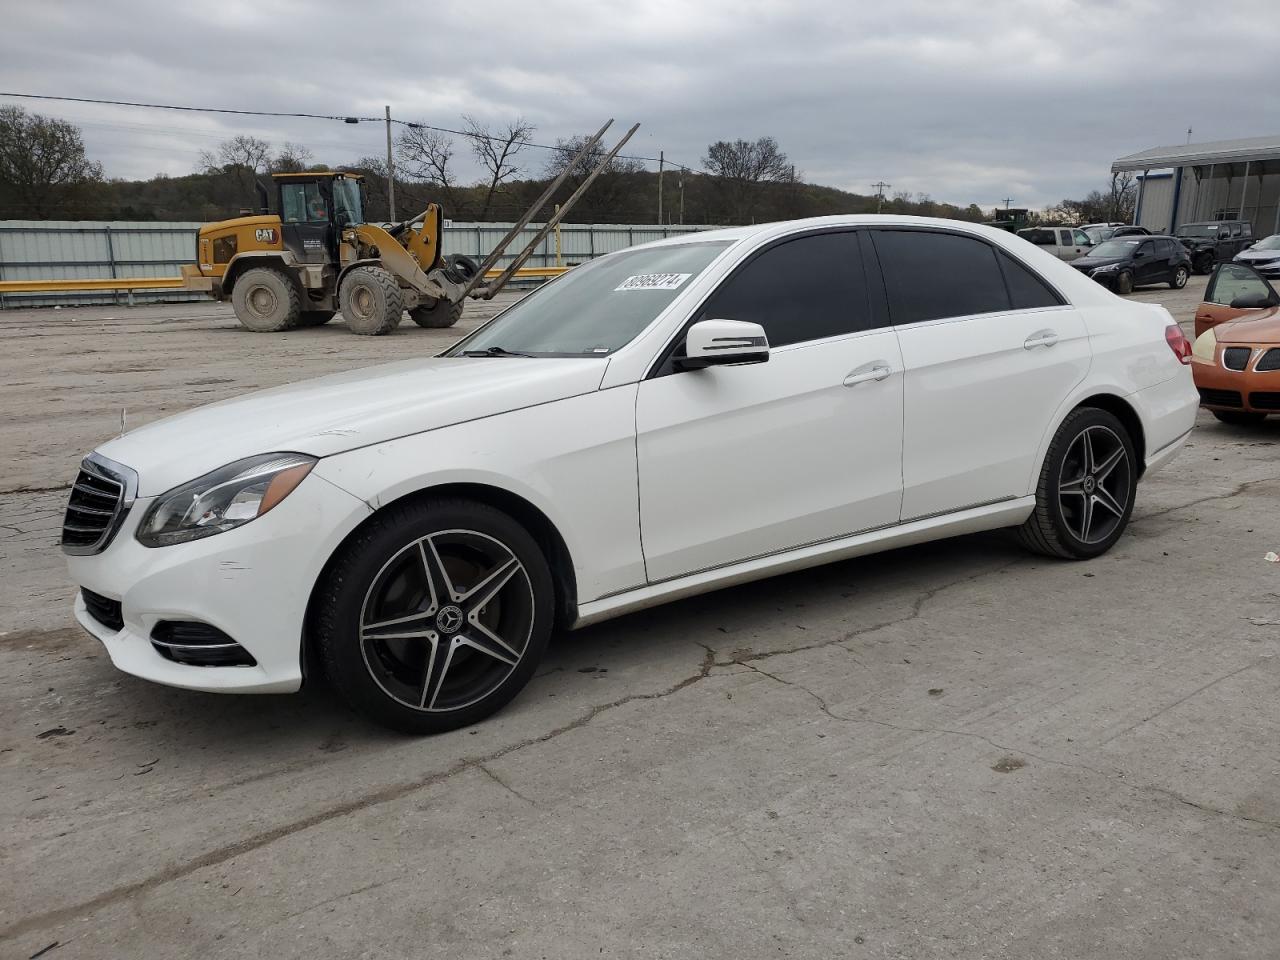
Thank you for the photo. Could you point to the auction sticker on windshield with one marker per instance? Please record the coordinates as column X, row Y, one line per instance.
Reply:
column 653, row 281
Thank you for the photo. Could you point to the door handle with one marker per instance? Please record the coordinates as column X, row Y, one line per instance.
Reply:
column 1041, row 338
column 874, row 371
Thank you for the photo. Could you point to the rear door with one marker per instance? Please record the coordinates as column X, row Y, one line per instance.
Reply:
column 1232, row 283
column 739, row 462
column 990, row 351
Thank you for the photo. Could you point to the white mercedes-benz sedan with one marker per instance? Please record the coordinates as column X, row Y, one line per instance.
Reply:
column 658, row 422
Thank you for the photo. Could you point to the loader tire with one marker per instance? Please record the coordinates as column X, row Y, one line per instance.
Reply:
column 266, row 300
column 440, row 314
column 315, row 318
column 371, row 301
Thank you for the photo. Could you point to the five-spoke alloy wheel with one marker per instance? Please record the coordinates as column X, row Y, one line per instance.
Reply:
column 435, row 615
column 1085, row 493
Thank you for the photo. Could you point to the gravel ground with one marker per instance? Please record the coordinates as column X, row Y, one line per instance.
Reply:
column 953, row 750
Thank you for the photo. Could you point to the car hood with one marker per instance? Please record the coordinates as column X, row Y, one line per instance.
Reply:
column 1092, row 263
column 1197, row 241
column 1254, row 255
column 1260, row 326
column 343, row 411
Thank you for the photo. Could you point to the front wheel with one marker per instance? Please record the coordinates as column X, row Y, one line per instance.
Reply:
column 371, row 301
column 1179, row 279
column 435, row 615
column 1124, row 283
column 1204, row 263
column 1239, row 418
column 1086, row 489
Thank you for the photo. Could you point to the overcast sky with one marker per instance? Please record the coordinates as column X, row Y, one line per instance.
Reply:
column 966, row 101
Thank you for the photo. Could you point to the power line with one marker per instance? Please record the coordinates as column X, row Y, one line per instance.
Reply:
column 314, row 116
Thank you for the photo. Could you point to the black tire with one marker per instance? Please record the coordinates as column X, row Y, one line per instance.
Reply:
column 1239, row 418
column 439, row 315
column 266, row 300
column 1180, row 277
column 371, row 301
column 1204, row 263
column 1124, row 283
column 1062, row 514
column 315, row 318
column 460, row 268
column 456, row 672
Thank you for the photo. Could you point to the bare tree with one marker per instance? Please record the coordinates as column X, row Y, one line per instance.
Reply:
column 740, row 167
column 243, row 158
column 427, row 156
column 610, row 190
column 291, row 158
column 42, row 162
column 1122, row 196
column 497, row 151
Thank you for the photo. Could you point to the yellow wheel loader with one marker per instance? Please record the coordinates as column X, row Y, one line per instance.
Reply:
column 317, row 256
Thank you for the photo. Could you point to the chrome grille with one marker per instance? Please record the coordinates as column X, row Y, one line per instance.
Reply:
column 100, row 498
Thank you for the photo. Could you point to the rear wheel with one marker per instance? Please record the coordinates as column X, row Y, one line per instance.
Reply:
column 1239, row 418
column 435, row 615
column 371, row 301
column 1085, row 493
column 1180, row 275
column 1124, row 283
column 437, row 316
column 266, row 301
column 315, row 318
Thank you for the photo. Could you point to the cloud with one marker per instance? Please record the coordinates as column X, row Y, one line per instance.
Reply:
column 965, row 101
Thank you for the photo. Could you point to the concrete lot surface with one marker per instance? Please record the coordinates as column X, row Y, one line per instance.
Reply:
column 954, row 750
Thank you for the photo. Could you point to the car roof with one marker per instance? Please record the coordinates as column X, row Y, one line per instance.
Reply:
column 779, row 227
column 1206, row 223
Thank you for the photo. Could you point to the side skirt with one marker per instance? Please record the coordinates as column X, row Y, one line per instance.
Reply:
column 1007, row 513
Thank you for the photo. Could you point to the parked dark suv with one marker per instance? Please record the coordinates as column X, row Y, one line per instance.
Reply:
column 1123, row 263
column 1214, row 242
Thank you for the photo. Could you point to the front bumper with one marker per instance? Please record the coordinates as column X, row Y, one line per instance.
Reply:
column 1246, row 391
column 253, row 583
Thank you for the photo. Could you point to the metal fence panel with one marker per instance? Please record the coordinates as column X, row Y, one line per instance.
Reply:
column 74, row 250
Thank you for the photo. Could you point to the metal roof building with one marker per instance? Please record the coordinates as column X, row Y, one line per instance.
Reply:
column 1223, row 180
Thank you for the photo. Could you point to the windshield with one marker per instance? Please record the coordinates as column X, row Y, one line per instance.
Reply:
column 1270, row 243
column 346, row 199
column 1198, row 230
column 1115, row 248
column 1098, row 234
column 596, row 308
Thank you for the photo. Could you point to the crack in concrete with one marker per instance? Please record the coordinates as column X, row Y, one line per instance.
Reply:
column 17, row 490
column 503, row 784
column 1239, row 489
column 376, row 798
column 1183, row 699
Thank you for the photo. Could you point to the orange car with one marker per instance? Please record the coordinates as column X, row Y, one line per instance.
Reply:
column 1236, row 356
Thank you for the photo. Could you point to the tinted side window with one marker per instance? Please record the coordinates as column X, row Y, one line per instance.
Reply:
column 1235, row 229
column 1025, row 288
column 1064, row 238
column 929, row 276
column 1145, row 250
column 1041, row 238
column 803, row 289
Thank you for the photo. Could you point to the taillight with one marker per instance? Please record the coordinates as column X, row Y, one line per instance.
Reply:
column 1178, row 342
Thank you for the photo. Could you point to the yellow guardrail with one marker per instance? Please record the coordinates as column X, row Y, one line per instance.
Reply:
column 177, row 283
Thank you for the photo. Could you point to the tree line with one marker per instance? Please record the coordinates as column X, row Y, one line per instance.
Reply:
column 46, row 174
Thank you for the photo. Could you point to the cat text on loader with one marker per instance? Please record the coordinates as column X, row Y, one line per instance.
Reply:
column 319, row 256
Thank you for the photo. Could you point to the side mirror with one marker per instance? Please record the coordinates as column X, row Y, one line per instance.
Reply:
column 722, row 342
column 1253, row 301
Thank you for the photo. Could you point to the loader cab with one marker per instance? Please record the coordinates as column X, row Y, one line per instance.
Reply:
column 314, row 207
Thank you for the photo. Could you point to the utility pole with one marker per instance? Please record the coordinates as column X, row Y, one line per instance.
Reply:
column 1188, row 134
column 661, row 163
column 881, row 187
column 681, row 184
column 391, row 172
column 1007, row 201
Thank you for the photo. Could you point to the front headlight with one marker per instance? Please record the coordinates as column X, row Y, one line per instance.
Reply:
column 1109, row 268
column 227, row 498
column 1206, row 346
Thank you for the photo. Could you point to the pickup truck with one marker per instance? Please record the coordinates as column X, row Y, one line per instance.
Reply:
column 1065, row 243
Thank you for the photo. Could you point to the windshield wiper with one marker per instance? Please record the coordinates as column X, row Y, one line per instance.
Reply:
column 495, row 352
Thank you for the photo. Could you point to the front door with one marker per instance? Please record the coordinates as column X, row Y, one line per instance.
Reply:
column 990, row 352
column 1148, row 267
column 306, row 226
column 739, row 462
column 1233, row 283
